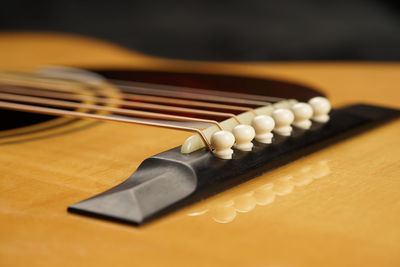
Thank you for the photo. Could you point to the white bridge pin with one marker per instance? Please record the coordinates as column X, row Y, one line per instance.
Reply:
column 283, row 118
column 302, row 115
column 244, row 134
column 263, row 125
column 222, row 141
column 321, row 107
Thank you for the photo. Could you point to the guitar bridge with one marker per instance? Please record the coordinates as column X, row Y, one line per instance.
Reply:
column 170, row 180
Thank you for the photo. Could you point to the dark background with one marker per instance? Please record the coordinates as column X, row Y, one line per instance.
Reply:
column 224, row 30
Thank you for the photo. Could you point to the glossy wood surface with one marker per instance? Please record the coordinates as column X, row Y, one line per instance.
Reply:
column 336, row 207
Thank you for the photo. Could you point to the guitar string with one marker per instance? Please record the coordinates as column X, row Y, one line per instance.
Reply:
column 135, row 85
column 193, row 96
column 132, row 85
column 68, row 104
column 157, row 99
column 151, row 106
column 78, row 97
column 216, row 97
column 82, row 115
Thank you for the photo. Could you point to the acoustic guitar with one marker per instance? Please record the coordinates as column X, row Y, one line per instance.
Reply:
column 72, row 192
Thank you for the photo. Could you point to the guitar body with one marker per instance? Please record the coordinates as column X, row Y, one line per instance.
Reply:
column 337, row 207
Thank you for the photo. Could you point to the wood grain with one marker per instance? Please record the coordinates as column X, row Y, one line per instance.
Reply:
column 337, row 207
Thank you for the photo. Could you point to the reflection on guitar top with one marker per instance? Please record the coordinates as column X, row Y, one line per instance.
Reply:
column 265, row 194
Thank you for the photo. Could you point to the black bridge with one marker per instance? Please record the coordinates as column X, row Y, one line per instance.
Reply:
column 171, row 180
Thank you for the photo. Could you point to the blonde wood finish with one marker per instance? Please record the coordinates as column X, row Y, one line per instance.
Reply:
column 337, row 207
